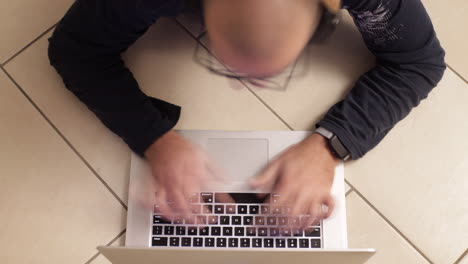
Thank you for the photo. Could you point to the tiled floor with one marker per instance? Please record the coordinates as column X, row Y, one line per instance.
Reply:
column 64, row 175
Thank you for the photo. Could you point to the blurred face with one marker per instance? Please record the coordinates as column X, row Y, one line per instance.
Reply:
column 259, row 38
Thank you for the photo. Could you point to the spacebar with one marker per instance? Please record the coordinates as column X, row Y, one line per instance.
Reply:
column 247, row 198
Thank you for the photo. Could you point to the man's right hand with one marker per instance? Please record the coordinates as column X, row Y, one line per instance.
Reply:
column 179, row 169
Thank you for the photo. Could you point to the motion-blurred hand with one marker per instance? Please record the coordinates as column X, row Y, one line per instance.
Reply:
column 302, row 176
column 179, row 169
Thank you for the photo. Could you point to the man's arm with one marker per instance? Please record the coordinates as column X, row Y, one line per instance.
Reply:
column 85, row 50
column 410, row 63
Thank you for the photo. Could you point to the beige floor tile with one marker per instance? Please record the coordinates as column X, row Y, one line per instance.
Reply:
column 417, row 176
column 165, row 70
column 464, row 260
column 449, row 19
column 332, row 69
column 366, row 229
column 347, row 188
column 101, row 259
column 52, row 208
column 23, row 20
column 105, row 152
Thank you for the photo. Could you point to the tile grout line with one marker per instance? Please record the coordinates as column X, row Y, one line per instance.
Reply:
column 248, row 88
column 456, row 73
column 65, row 139
column 349, row 192
column 108, row 244
column 459, row 259
column 28, row 45
column 388, row 222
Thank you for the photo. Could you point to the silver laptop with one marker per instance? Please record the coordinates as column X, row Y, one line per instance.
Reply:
column 247, row 231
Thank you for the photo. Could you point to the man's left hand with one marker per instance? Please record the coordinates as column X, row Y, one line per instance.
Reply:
column 302, row 176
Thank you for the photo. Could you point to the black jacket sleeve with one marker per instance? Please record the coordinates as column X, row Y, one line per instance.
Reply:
column 410, row 63
column 85, row 50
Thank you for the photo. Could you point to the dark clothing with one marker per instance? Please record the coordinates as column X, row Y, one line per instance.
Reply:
column 86, row 46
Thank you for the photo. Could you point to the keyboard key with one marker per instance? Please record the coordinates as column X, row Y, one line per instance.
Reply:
column 198, row 242
column 195, row 208
column 204, row 231
column 312, row 232
column 294, row 221
column 239, row 231
column 215, row 231
column 180, row 230
column 285, row 232
column 257, row 242
column 259, row 220
column 208, row 209
column 157, row 230
column 262, row 231
column 242, row 209
column 157, row 209
column 283, row 220
column 174, row 242
column 201, row 220
column 268, row 242
column 230, row 209
column 243, row 198
column 206, row 197
column 159, row 241
column 280, row 242
column 213, row 219
column 158, row 219
column 297, row 232
column 221, row 242
column 236, row 220
column 304, row 243
column 178, row 220
column 292, row 243
column 209, row 242
column 227, row 231
column 286, row 210
column 219, row 209
column 315, row 243
column 253, row 209
column 245, row 242
column 186, row 241
column 248, row 220
column 169, row 230
column 224, row 220
column 316, row 224
column 233, row 242
column 274, row 198
column 189, row 220
column 271, row 220
column 251, row 231
column 193, row 198
column 274, row 231
column 265, row 209
column 192, row 231
column 276, row 210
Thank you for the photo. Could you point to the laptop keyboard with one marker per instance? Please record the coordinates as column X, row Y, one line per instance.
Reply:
column 247, row 223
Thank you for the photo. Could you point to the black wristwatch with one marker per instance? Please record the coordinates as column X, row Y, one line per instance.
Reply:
column 334, row 143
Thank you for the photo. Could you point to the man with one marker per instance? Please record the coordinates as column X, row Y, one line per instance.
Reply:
column 254, row 39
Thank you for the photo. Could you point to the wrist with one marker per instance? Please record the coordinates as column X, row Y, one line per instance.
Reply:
column 158, row 143
column 321, row 143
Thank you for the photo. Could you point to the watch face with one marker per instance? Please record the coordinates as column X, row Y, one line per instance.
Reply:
column 339, row 149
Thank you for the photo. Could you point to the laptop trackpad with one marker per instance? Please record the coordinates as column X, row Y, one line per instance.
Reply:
column 239, row 159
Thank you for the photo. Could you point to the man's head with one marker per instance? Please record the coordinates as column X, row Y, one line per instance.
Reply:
column 260, row 38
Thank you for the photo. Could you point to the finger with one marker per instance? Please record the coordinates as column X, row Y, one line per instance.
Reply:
column 181, row 204
column 164, row 208
column 299, row 208
column 315, row 212
column 329, row 202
